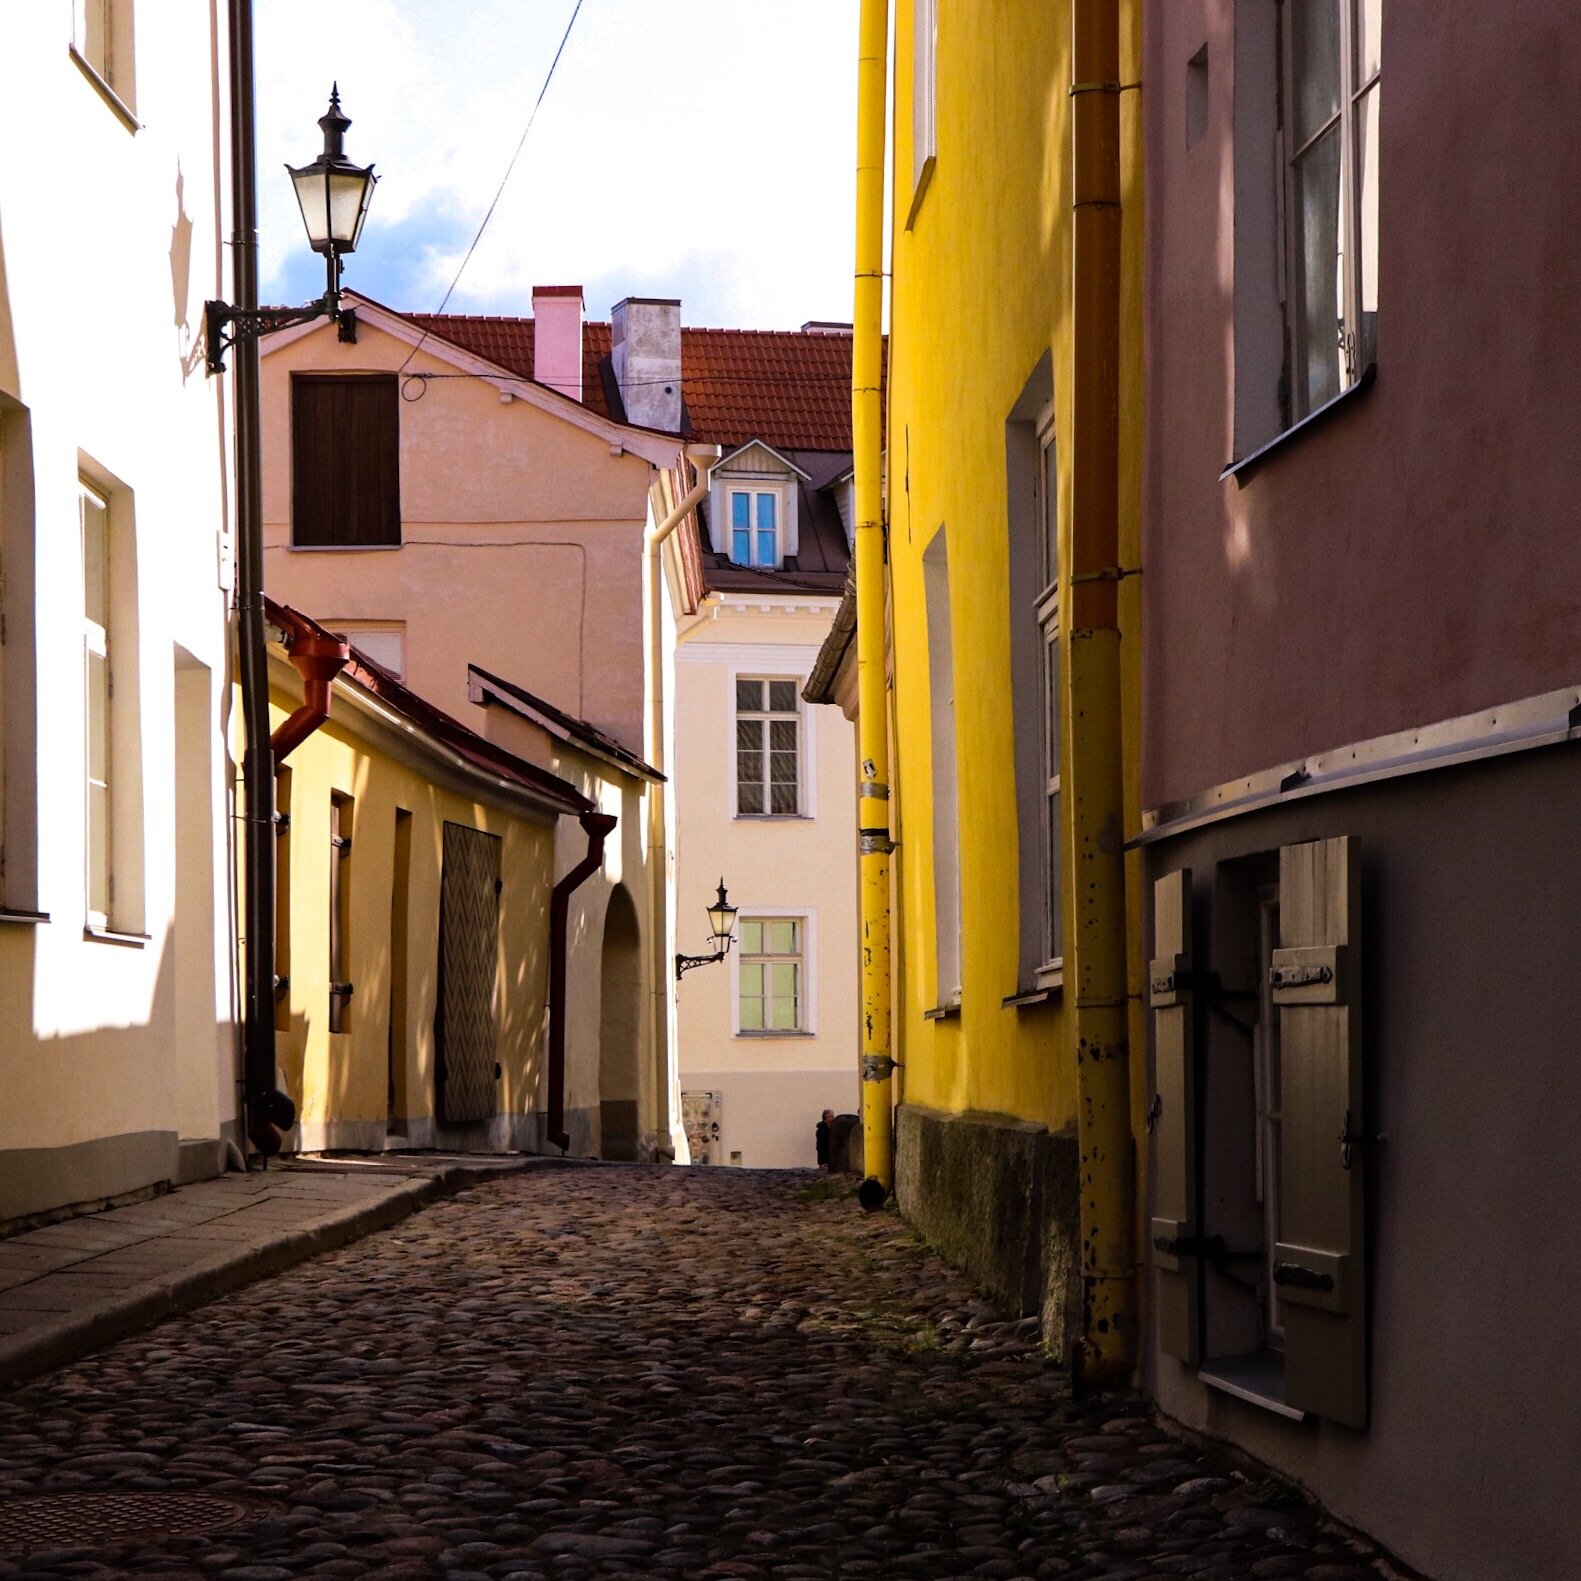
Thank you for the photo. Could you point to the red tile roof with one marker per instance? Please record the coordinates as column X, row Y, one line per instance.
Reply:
column 789, row 387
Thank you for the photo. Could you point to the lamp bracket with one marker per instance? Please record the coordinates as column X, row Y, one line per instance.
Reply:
column 685, row 963
column 225, row 326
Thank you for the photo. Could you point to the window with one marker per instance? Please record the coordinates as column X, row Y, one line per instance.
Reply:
column 101, row 37
column 1046, row 611
column 946, row 824
column 1329, row 140
column 94, row 513
column 768, row 748
column 771, row 988
column 345, row 461
column 282, row 899
column 383, row 641
column 924, row 115
column 754, row 526
column 340, row 818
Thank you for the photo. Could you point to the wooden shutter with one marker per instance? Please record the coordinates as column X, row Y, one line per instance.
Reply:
column 467, row 1031
column 1319, row 1265
column 1173, row 1118
column 345, row 459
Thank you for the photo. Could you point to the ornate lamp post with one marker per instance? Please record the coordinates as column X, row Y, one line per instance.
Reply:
column 333, row 194
column 722, row 927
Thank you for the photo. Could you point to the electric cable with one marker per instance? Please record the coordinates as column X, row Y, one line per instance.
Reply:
column 500, row 191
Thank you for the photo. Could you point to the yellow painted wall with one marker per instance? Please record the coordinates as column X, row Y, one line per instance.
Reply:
column 981, row 291
column 339, row 1080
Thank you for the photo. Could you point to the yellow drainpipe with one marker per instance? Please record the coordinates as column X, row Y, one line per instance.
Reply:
column 1105, row 1351
column 867, row 353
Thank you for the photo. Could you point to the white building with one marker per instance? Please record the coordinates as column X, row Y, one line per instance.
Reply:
column 118, row 1057
column 764, row 784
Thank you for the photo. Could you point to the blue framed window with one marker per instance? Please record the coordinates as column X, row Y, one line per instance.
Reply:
column 754, row 527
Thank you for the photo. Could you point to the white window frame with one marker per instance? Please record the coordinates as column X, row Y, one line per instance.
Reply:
column 924, row 100
column 98, row 885
column 806, row 918
column 1046, row 611
column 102, row 38
column 354, row 630
column 1357, row 218
column 805, row 777
column 725, row 485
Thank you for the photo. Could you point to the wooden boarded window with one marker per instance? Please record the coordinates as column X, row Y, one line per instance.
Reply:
column 345, row 460
column 1319, row 1262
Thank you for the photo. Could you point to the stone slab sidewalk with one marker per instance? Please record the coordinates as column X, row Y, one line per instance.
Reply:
column 77, row 1285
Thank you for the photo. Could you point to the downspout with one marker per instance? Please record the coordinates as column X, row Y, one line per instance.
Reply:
column 318, row 661
column 268, row 1111
column 597, row 826
column 1104, row 1354
column 867, row 352
column 660, row 968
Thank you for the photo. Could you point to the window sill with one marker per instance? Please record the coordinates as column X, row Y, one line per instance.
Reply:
column 123, row 111
column 1242, row 469
column 29, row 919
column 774, row 817
column 1025, row 997
column 943, row 1012
column 131, row 941
column 767, row 1032
column 346, row 548
column 1257, row 1378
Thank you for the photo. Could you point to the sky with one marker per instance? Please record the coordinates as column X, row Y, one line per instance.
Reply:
column 700, row 149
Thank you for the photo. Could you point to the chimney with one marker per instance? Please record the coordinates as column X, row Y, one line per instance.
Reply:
column 646, row 333
column 557, row 338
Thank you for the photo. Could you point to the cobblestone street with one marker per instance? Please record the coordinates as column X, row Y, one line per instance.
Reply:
column 622, row 1371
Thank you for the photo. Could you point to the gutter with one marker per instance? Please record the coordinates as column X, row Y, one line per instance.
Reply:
column 318, row 660
column 831, row 655
column 598, row 826
column 267, row 1110
column 703, row 457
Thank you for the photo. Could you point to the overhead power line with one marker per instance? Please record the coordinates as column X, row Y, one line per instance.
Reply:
column 500, row 190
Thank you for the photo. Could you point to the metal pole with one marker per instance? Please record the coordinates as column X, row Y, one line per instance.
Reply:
column 258, row 765
column 871, row 645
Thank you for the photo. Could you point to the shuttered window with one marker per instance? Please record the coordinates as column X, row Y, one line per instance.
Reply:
column 345, row 460
column 768, row 749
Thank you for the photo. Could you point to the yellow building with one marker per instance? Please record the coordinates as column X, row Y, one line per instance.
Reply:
column 1012, row 439
column 416, row 915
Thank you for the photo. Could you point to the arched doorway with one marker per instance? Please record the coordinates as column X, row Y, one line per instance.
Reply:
column 621, row 998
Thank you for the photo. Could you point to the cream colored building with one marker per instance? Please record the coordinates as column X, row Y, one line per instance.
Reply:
column 118, row 1056
column 764, row 783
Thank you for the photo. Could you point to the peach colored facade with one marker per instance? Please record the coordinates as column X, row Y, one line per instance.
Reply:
column 521, row 524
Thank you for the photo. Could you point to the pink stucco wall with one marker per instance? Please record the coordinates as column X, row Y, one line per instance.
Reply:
column 1415, row 557
column 522, row 534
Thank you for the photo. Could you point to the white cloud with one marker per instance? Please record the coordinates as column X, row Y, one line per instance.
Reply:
column 700, row 148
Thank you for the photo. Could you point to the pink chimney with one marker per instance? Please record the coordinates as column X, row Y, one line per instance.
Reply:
column 557, row 338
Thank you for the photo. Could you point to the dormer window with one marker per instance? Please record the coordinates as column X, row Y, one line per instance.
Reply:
column 755, row 526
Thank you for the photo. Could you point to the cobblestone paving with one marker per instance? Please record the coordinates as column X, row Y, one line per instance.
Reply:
column 668, row 1373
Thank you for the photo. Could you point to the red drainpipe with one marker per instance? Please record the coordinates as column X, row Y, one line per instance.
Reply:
column 318, row 660
column 597, row 826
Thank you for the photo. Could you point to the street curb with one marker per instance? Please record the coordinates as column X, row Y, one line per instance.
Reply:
column 92, row 1328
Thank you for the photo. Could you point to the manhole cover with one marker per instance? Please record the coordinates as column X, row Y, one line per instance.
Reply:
column 93, row 1520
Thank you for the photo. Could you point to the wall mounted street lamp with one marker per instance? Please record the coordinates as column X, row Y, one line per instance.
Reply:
column 333, row 194
column 722, row 925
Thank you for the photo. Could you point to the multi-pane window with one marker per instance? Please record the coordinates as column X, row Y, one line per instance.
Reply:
column 771, row 975
column 754, row 527
column 1047, row 615
column 924, row 115
column 768, row 748
column 94, row 513
column 1331, row 59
